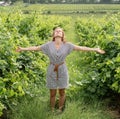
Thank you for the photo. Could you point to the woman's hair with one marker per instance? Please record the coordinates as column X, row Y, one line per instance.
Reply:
column 63, row 35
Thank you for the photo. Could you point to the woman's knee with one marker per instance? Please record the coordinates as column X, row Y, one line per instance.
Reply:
column 52, row 92
column 62, row 92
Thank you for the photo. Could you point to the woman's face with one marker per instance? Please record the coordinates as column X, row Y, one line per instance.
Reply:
column 58, row 32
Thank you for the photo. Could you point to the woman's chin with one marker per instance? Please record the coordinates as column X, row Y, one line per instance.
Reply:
column 58, row 36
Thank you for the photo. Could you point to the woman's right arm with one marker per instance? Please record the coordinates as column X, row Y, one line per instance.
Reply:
column 33, row 48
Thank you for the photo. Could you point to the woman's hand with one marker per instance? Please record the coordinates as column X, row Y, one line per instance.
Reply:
column 19, row 49
column 100, row 51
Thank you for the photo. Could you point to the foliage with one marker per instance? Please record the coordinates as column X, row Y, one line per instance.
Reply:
column 20, row 72
column 1, row 108
column 103, row 72
column 64, row 9
column 69, row 1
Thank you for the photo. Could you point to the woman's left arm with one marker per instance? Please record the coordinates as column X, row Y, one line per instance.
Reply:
column 84, row 48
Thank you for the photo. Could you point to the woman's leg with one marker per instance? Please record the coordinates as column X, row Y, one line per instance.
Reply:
column 61, row 98
column 52, row 98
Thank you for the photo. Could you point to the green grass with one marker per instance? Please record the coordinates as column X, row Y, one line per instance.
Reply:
column 73, row 7
column 64, row 9
column 38, row 108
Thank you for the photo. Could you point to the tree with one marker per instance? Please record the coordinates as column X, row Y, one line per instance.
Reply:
column 105, row 1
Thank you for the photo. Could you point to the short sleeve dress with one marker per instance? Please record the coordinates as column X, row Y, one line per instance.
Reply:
column 54, row 80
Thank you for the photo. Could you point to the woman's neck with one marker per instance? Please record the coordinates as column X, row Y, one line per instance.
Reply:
column 58, row 41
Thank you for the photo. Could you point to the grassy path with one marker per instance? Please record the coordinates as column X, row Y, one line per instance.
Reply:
column 73, row 58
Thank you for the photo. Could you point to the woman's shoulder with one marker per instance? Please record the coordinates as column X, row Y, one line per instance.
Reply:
column 68, row 43
column 48, row 42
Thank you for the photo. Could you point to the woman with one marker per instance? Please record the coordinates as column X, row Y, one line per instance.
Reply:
column 57, row 74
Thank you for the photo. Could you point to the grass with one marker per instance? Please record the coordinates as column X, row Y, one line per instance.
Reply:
column 30, row 109
column 72, row 7
column 39, row 109
column 63, row 9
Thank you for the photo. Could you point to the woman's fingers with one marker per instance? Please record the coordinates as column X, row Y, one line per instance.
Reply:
column 101, row 51
column 19, row 49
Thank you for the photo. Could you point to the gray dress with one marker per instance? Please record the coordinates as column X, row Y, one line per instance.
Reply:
column 55, row 81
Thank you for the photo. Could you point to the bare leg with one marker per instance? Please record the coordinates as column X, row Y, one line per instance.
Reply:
column 61, row 98
column 52, row 98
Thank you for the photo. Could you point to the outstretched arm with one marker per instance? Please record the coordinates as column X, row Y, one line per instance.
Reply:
column 33, row 48
column 83, row 48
